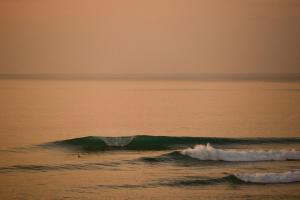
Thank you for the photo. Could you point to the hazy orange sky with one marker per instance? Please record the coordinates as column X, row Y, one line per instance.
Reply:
column 153, row 36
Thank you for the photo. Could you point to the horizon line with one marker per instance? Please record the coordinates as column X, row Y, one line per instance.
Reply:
column 154, row 76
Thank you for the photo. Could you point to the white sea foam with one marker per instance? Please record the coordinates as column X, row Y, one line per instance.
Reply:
column 117, row 141
column 207, row 152
column 285, row 177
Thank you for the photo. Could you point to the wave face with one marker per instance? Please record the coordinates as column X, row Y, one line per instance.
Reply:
column 207, row 152
column 117, row 141
column 234, row 179
column 242, row 178
column 145, row 142
column 285, row 177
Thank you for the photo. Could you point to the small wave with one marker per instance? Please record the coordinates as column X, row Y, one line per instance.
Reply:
column 285, row 177
column 241, row 178
column 233, row 179
column 59, row 167
column 174, row 156
column 207, row 152
column 146, row 142
column 203, row 182
column 185, row 182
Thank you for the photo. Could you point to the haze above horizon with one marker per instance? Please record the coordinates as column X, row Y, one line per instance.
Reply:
column 160, row 37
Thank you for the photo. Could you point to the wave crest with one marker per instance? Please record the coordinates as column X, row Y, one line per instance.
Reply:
column 241, row 178
column 207, row 152
column 285, row 177
column 117, row 141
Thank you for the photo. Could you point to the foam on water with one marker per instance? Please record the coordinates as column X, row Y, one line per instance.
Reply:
column 240, row 178
column 207, row 152
column 285, row 177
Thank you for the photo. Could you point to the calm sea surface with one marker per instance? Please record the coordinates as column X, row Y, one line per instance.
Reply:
column 151, row 139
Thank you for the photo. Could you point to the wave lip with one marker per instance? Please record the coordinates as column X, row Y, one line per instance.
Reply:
column 207, row 152
column 117, row 141
column 285, row 177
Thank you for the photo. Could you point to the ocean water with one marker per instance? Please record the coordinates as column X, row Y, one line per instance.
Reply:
column 149, row 139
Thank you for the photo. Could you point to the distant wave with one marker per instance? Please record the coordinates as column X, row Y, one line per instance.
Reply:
column 207, row 152
column 146, row 142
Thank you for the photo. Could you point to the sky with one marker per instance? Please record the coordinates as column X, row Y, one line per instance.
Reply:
column 149, row 36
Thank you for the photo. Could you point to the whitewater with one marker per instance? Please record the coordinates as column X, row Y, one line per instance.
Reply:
column 270, row 177
column 208, row 152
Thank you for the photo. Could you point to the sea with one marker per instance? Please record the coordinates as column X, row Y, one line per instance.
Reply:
column 213, row 137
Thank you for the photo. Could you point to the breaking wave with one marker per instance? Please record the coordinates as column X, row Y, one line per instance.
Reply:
column 145, row 142
column 285, row 177
column 242, row 178
column 117, row 141
column 207, row 152
column 234, row 179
